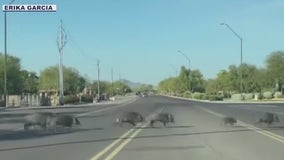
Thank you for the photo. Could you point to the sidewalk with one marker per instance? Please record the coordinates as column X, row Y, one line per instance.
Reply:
column 119, row 100
column 229, row 101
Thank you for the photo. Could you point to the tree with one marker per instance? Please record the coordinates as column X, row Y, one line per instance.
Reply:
column 73, row 82
column 144, row 88
column 250, row 82
column 121, row 88
column 170, row 85
column 234, row 78
column 197, row 81
column 211, row 86
column 183, row 78
column 14, row 79
column 30, row 80
column 275, row 68
column 105, row 87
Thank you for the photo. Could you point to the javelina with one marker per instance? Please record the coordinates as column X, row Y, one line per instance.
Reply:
column 269, row 118
column 62, row 120
column 129, row 117
column 37, row 119
column 162, row 118
column 229, row 120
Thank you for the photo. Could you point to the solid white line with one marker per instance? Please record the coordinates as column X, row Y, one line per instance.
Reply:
column 248, row 126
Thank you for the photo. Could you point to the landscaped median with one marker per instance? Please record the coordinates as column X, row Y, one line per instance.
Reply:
column 118, row 100
column 266, row 101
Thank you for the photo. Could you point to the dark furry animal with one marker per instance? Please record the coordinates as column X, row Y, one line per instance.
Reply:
column 129, row 117
column 268, row 118
column 63, row 121
column 37, row 119
column 229, row 120
column 162, row 118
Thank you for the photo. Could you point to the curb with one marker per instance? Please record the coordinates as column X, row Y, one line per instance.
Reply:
column 119, row 101
column 225, row 102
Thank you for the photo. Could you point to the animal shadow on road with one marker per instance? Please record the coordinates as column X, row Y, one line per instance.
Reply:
column 162, row 127
column 6, row 135
column 137, row 137
column 20, row 117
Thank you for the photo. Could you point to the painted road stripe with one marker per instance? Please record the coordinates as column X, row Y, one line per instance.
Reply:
column 124, row 143
column 104, row 109
column 97, row 156
column 256, row 129
column 109, row 147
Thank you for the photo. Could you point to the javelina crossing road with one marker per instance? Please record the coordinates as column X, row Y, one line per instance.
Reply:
column 37, row 119
column 129, row 117
column 229, row 120
column 268, row 118
column 162, row 118
column 62, row 120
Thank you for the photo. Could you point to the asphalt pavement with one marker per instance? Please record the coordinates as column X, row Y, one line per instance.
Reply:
column 196, row 134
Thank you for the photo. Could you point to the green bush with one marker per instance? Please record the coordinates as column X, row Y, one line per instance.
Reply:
column 249, row 96
column 206, row 97
column 70, row 99
column 187, row 95
column 277, row 94
column 267, row 95
column 281, row 96
column 215, row 98
column 2, row 103
column 236, row 97
column 196, row 95
column 87, row 98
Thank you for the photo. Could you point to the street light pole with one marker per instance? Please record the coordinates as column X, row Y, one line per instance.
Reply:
column 185, row 58
column 188, row 67
column 174, row 68
column 241, row 40
column 112, row 82
column 98, row 83
column 5, row 57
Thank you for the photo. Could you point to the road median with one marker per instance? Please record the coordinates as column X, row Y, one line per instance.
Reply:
column 227, row 101
column 120, row 100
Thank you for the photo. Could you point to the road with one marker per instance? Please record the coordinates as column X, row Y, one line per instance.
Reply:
column 196, row 134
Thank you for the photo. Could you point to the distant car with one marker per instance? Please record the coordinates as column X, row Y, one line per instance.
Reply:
column 144, row 94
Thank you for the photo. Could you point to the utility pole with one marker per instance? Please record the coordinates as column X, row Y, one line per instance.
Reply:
column 112, row 81
column 62, row 37
column 5, row 58
column 98, row 65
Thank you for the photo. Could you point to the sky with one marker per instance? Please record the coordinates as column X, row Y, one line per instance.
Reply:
column 139, row 40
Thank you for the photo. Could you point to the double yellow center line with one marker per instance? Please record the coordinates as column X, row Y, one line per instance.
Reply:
column 130, row 134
